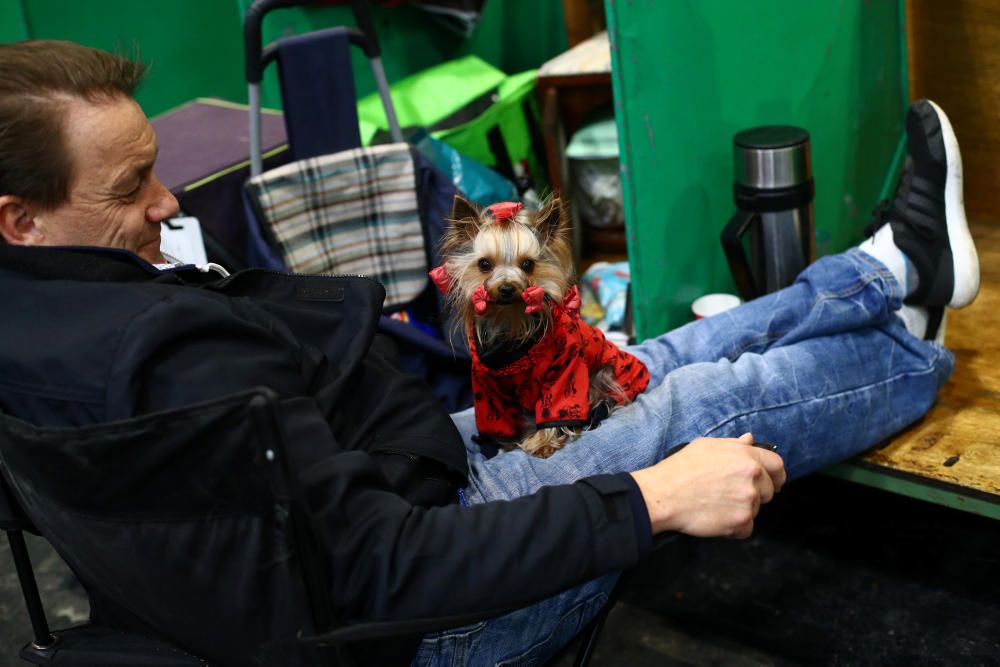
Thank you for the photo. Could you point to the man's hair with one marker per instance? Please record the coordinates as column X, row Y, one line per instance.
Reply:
column 38, row 78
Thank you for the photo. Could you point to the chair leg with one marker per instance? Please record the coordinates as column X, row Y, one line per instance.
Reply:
column 32, row 600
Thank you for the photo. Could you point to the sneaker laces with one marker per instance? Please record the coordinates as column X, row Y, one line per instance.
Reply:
column 883, row 213
column 896, row 211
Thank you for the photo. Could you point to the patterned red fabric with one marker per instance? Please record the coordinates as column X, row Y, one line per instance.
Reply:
column 552, row 380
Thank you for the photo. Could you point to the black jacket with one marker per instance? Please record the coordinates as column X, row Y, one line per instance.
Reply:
column 95, row 335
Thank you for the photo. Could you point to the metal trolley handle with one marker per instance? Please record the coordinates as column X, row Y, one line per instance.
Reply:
column 258, row 57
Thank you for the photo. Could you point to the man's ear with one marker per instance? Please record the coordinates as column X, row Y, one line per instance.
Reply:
column 17, row 222
column 550, row 220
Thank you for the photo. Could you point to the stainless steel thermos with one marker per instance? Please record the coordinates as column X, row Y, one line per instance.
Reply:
column 771, row 237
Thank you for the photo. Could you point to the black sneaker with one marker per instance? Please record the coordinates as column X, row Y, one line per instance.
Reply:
column 927, row 215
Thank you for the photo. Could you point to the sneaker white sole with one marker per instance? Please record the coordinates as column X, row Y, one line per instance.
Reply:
column 965, row 259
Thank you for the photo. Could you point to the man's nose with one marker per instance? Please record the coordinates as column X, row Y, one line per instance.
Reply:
column 164, row 206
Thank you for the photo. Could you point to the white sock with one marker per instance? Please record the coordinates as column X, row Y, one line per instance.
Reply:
column 915, row 319
column 882, row 247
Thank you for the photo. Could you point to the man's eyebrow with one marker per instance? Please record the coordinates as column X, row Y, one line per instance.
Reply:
column 139, row 170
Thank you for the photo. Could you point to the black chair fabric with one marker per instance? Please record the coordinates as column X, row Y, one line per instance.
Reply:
column 169, row 519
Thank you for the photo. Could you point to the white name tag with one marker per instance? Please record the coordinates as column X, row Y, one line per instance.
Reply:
column 181, row 238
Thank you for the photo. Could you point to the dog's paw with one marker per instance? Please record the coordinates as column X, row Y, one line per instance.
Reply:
column 545, row 442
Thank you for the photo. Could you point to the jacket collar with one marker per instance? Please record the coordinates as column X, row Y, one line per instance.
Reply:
column 77, row 263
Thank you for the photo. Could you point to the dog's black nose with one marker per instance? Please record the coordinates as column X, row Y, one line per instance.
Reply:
column 506, row 292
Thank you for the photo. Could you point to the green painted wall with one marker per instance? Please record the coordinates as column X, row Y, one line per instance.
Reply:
column 12, row 26
column 195, row 47
column 688, row 74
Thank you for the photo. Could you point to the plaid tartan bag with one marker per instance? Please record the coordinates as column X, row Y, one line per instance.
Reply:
column 354, row 212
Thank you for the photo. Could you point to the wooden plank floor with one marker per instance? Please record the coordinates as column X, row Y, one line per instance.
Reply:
column 958, row 442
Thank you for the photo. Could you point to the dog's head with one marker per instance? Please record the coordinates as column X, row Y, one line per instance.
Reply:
column 504, row 267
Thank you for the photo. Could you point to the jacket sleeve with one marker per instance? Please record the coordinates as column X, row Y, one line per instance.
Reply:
column 389, row 559
column 392, row 561
column 389, row 412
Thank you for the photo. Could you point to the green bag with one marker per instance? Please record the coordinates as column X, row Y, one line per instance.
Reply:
column 475, row 108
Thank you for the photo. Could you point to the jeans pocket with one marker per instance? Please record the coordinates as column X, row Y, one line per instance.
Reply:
column 451, row 647
column 562, row 634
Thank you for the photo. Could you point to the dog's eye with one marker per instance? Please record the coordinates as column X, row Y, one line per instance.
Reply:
column 527, row 265
column 485, row 265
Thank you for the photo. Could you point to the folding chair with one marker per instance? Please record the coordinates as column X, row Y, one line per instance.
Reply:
column 85, row 645
column 133, row 506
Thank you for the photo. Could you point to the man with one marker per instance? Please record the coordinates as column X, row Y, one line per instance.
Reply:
column 94, row 331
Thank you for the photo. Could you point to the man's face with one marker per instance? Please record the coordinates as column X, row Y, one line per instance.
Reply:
column 115, row 199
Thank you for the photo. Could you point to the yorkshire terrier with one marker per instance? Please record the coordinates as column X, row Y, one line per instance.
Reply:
column 540, row 375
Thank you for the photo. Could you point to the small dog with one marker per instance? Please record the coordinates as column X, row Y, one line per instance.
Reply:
column 540, row 375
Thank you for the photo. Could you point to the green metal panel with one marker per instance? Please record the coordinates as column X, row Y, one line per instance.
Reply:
column 688, row 74
column 194, row 47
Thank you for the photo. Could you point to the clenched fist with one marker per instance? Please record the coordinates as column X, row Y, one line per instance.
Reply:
column 713, row 487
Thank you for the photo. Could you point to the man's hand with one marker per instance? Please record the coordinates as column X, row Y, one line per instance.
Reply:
column 713, row 487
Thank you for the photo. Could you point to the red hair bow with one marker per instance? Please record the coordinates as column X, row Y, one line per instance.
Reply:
column 534, row 298
column 505, row 210
column 441, row 279
column 571, row 302
column 480, row 298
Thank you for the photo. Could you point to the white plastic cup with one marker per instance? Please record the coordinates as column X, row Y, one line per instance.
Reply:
column 713, row 304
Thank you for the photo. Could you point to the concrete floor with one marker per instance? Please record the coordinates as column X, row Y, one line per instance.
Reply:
column 836, row 574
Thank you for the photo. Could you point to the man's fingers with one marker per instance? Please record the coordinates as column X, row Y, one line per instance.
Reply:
column 744, row 530
column 765, row 490
column 773, row 465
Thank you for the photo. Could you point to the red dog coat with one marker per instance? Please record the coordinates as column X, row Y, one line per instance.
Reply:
column 552, row 378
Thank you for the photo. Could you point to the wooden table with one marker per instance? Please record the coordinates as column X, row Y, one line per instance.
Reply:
column 952, row 455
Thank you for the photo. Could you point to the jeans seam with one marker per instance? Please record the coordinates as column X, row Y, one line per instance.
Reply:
column 880, row 270
column 930, row 369
column 866, row 280
column 764, row 340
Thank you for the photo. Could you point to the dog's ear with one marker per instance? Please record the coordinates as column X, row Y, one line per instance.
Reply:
column 550, row 220
column 462, row 209
column 464, row 225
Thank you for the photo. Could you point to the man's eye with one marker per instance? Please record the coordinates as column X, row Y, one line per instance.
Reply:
column 132, row 194
column 485, row 265
column 527, row 265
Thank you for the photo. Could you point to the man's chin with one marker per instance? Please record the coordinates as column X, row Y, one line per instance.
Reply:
column 151, row 253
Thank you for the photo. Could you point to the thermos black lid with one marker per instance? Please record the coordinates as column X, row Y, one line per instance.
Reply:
column 772, row 156
column 771, row 136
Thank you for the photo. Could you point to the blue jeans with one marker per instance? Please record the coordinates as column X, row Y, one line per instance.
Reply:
column 823, row 369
